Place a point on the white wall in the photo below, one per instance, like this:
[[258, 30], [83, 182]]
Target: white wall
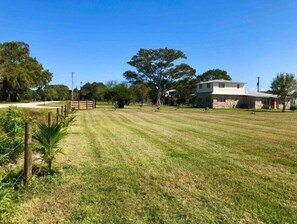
[[230, 88], [204, 88]]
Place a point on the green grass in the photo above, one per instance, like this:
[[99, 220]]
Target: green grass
[[173, 166], [55, 104]]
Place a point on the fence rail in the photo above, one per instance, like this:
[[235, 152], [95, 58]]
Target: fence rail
[[82, 105]]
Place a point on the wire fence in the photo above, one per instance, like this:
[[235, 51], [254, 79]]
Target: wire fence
[[12, 150], [17, 179], [6, 134]]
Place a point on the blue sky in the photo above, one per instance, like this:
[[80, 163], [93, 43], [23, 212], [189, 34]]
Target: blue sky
[[95, 39]]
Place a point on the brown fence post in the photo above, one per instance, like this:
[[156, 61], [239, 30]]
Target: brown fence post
[[86, 105], [28, 154], [78, 105], [65, 111], [50, 119], [57, 115], [62, 110]]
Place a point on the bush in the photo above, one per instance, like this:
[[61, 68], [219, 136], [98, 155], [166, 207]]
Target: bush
[[12, 139], [293, 107]]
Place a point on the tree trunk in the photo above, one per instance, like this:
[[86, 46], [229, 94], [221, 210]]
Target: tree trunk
[[121, 103], [159, 96], [284, 106]]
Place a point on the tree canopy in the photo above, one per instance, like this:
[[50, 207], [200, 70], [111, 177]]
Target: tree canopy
[[93, 91], [122, 94], [158, 68], [284, 85], [213, 74], [19, 71]]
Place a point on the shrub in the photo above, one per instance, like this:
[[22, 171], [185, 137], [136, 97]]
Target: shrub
[[293, 107], [12, 140]]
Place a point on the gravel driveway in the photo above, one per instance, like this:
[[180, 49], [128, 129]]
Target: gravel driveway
[[29, 105]]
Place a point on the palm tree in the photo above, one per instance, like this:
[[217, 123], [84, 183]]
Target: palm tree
[[49, 138]]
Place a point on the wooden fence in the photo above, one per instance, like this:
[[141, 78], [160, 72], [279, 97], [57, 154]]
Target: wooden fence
[[82, 105]]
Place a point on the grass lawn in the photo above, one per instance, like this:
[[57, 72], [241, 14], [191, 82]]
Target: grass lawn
[[173, 166]]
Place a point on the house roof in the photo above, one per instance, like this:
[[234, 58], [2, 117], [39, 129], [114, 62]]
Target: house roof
[[259, 94], [222, 81], [252, 94]]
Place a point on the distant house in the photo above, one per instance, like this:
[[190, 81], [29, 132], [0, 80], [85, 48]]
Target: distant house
[[230, 94]]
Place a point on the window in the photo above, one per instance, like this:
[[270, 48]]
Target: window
[[265, 101], [200, 86], [221, 99], [237, 86], [221, 85], [208, 85]]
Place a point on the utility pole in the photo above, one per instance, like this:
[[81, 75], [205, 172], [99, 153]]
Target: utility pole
[[258, 84], [72, 85]]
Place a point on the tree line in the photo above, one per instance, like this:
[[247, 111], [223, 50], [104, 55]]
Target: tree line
[[157, 78]]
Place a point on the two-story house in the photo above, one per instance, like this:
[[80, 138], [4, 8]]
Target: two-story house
[[230, 94]]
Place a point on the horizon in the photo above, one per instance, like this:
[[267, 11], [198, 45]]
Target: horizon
[[95, 39]]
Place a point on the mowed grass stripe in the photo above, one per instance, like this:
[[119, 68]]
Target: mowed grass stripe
[[184, 166], [151, 136]]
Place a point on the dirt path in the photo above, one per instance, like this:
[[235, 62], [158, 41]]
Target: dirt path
[[29, 105]]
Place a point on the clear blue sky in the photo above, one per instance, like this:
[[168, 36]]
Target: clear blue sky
[[95, 39]]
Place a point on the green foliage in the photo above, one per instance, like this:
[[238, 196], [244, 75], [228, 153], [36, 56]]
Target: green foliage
[[93, 91], [19, 70], [157, 67], [212, 75], [284, 85], [293, 107], [11, 143], [67, 121], [5, 202], [121, 94], [48, 138], [141, 91]]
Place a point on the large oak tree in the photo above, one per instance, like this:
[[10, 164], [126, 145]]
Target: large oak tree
[[19, 71], [158, 68]]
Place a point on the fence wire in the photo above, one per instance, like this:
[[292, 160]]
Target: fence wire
[[16, 181], [6, 154]]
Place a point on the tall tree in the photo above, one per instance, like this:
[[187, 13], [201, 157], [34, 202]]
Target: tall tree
[[121, 94], [213, 74], [284, 85], [94, 91], [19, 71], [158, 68]]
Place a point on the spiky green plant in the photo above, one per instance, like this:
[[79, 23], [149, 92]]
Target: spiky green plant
[[68, 120], [48, 138]]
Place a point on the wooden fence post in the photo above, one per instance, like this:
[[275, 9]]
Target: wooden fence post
[[50, 119], [62, 110], [78, 105], [86, 105], [65, 111], [28, 154], [57, 115]]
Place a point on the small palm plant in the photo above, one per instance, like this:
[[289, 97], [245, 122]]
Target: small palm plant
[[49, 137]]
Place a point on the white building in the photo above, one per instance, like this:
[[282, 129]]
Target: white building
[[230, 94]]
